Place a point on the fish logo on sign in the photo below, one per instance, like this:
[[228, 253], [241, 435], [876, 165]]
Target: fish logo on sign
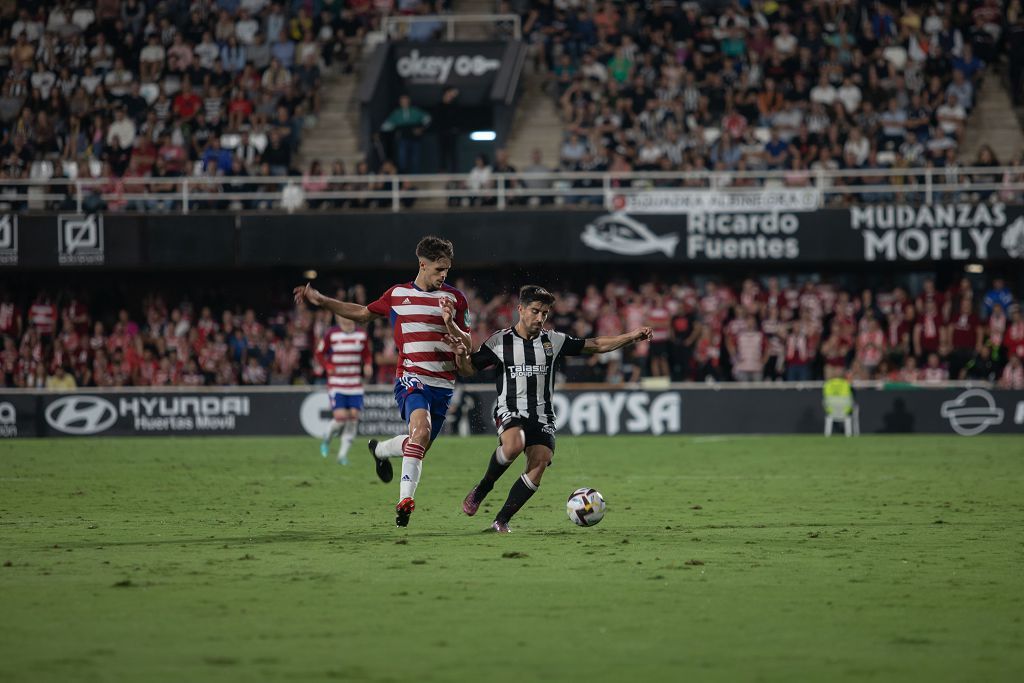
[[1013, 238], [620, 234], [80, 240]]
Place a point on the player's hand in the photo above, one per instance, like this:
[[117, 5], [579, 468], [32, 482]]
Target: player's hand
[[307, 294], [457, 344], [643, 334], [447, 310]]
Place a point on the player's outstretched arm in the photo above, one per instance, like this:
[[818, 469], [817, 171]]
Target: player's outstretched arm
[[356, 312], [606, 344]]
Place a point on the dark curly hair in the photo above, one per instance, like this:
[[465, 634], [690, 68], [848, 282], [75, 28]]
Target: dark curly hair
[[535, 293], [434, 248]]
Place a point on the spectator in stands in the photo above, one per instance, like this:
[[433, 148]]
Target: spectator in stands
[[480, 183], [999, 296], [408, 123]]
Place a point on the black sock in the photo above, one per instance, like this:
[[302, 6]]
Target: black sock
[[494, 471], [517, 497]]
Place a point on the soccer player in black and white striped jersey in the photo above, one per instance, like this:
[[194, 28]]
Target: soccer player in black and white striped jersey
[[526, 355]]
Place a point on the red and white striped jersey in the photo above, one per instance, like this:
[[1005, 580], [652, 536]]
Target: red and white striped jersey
[[9, 317], [419, 330], [343, 355], [44, 317]]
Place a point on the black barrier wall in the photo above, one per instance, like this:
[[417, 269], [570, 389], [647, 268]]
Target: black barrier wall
[[625, 411], [861, 235]]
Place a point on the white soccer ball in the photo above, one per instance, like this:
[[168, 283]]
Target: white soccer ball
[[585, 507]]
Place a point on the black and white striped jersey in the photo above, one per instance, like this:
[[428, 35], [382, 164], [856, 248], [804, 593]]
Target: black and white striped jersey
[[526, 371]]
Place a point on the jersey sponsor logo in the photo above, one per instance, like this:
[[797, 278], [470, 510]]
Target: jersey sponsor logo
[[526, 370], [972, 412]]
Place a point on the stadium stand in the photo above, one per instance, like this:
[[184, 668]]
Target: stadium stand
[[162, 90], [765, 85], [224, 91], [752, 329]]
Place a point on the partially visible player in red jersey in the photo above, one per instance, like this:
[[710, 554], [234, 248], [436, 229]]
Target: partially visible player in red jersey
[[425, 376], [345, 354]]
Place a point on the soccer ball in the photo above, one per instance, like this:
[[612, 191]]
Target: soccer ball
[[585, 507]]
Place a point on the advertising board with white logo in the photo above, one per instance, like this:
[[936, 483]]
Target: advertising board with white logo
[[8, 239], [879, 235], [423, 70], [80, 240], [723, 410]]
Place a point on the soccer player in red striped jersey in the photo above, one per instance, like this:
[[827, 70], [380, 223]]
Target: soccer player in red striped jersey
[[344, 352], [425, 376]]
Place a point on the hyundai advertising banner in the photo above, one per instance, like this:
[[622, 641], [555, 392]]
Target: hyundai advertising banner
[[768, 410]]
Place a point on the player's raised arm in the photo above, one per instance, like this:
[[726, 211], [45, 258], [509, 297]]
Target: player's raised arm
[[454, 331], [606, 344], [356, 312]]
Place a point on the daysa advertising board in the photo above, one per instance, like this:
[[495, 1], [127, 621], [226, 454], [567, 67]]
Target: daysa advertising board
[[609, 412]]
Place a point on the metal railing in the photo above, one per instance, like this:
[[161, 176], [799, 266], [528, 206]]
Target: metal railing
[[610, 190], [392, 24]]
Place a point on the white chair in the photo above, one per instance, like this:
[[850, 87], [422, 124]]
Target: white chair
[[842, 409]]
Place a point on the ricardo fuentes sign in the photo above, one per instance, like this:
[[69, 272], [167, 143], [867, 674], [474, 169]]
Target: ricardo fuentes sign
[[944, 232]]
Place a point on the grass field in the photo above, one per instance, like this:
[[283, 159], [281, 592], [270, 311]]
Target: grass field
[[746, 559]]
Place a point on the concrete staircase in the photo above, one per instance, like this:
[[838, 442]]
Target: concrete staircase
[[537, 124], [474, 31], [336, 134], [994, 123]]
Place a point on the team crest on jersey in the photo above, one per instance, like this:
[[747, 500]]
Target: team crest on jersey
[[548, 350]]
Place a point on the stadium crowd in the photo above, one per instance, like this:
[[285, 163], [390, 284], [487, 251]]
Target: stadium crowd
[[121, 89], [748, 331], [138, 89], [794, 87]]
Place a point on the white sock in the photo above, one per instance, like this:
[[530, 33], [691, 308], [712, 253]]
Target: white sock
[[392, 448], [411, 468], [347, 435], [334, 429]]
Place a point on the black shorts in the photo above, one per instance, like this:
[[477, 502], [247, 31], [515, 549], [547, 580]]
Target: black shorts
[[535, 433], [659, 348]]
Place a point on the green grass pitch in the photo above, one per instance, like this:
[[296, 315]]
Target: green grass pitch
[[720, 559]]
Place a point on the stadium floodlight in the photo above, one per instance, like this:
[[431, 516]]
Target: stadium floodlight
[[975, 268], [483, 136]]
